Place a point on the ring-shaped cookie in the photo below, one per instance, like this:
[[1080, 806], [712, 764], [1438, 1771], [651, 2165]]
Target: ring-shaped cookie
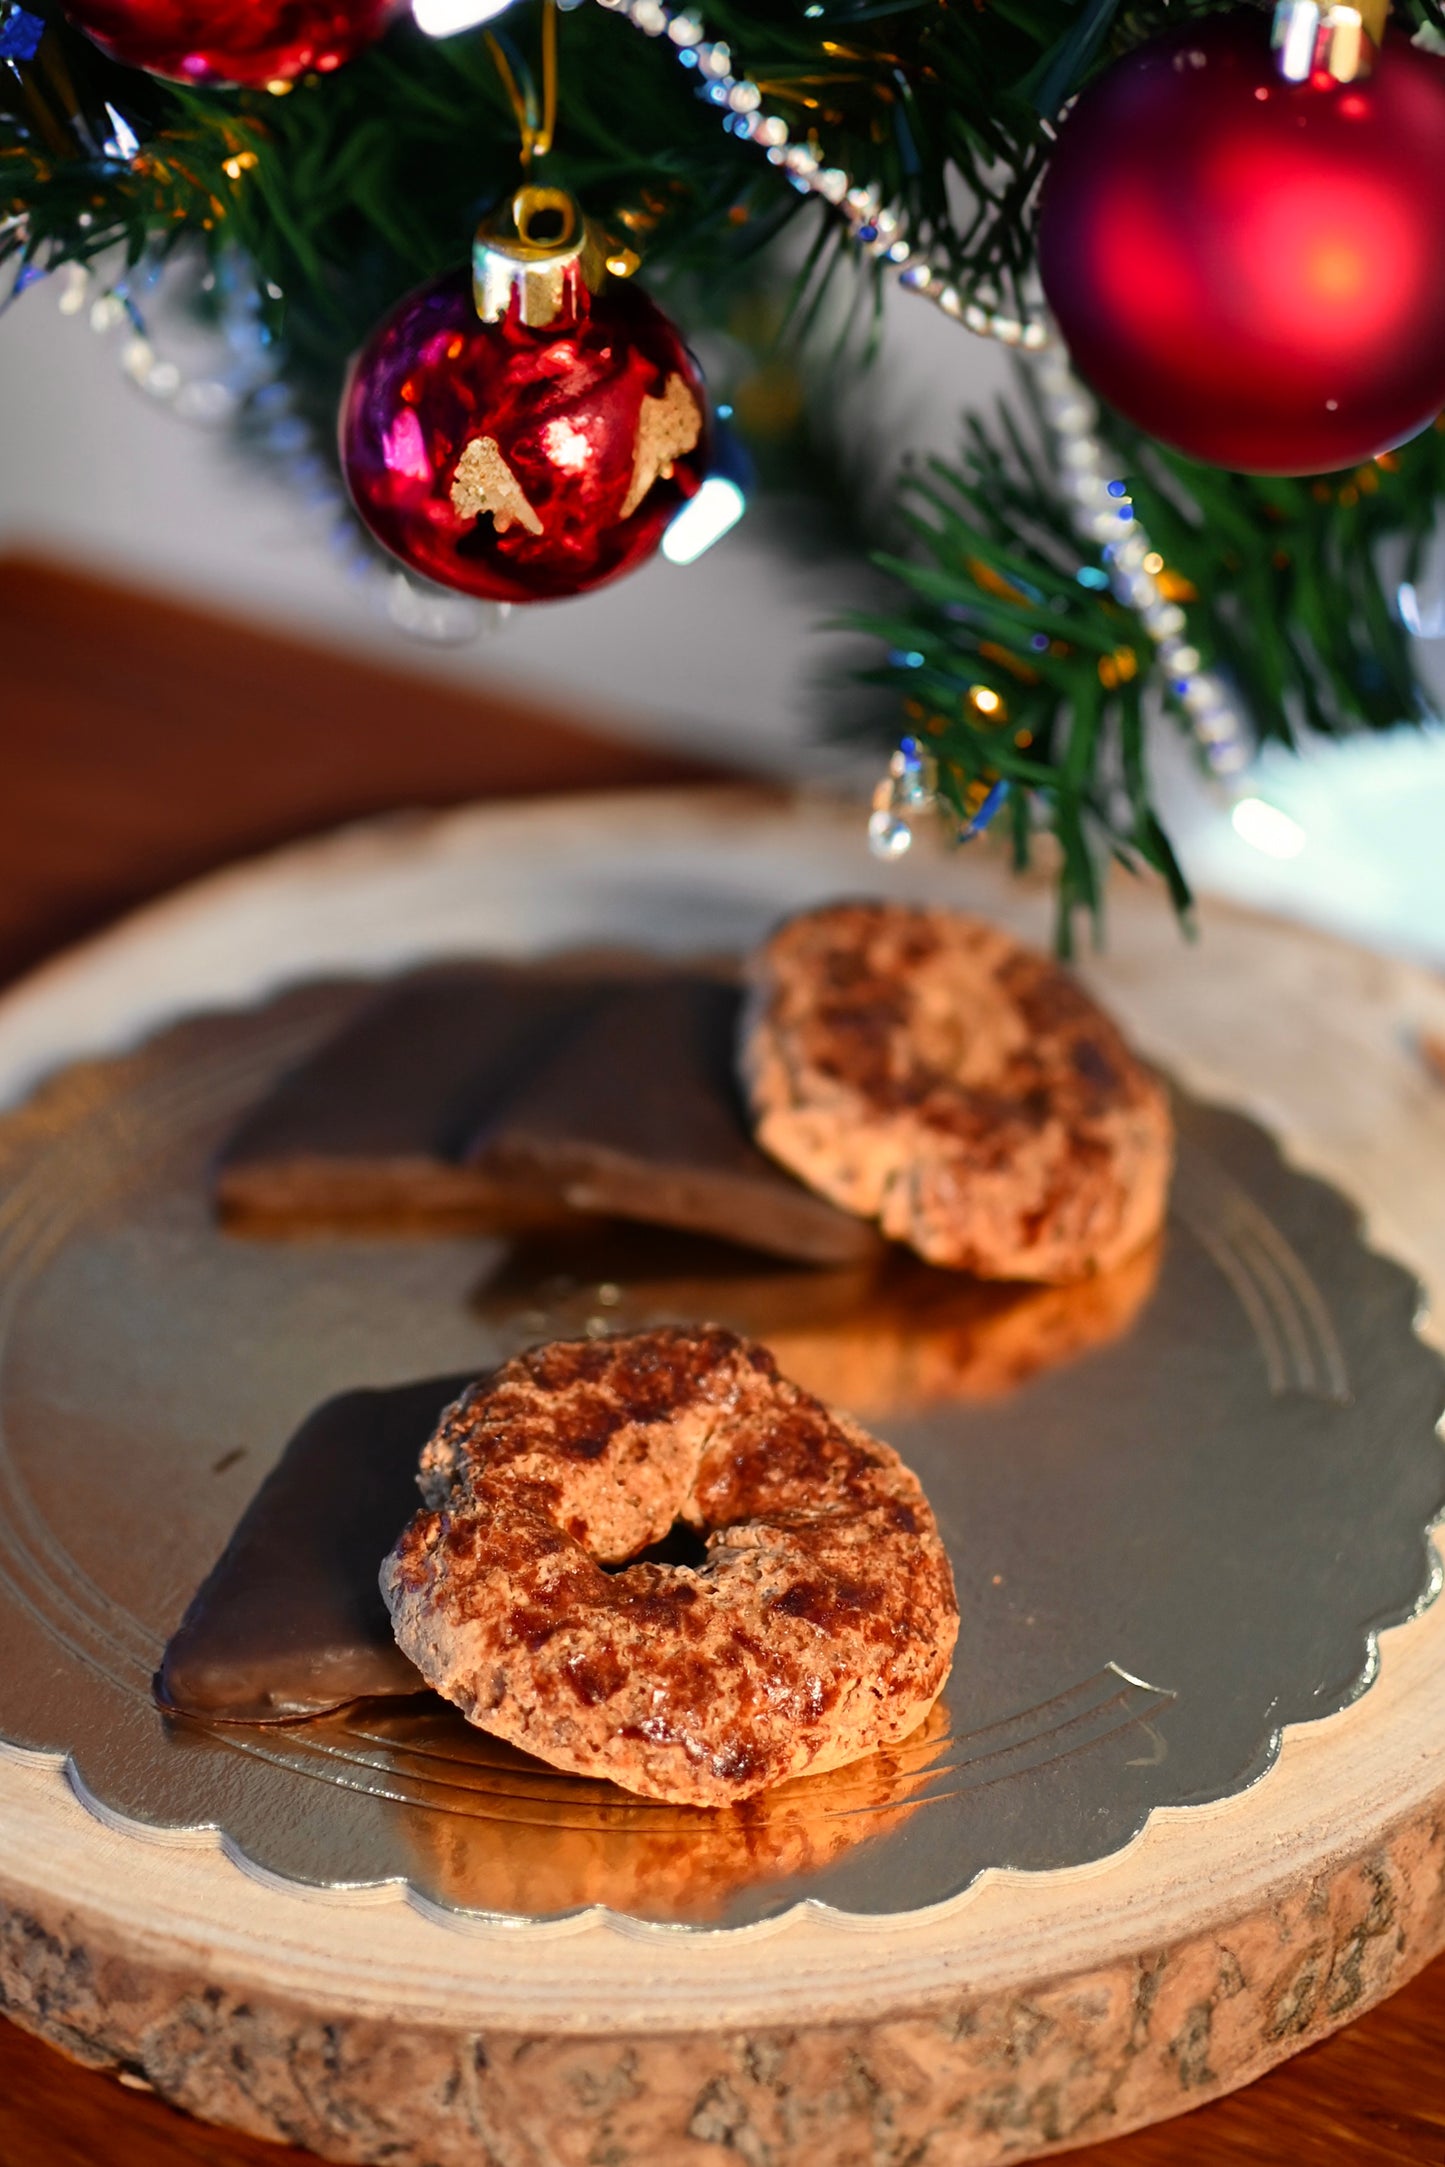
[[819, 1628], [923, 1069]]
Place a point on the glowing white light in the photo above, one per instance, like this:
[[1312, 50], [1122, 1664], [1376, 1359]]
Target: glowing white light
[[703, 520], [1426, 621], [1266, 828], [444, 18], [1296, 30], [123, 142]]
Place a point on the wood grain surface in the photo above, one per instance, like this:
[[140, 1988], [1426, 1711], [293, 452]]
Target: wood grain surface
[[1373, 2096], [144, 744]]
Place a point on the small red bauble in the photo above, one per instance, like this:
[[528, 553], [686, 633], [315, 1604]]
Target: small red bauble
[[232, 41], [1249, 269], [519, 460]]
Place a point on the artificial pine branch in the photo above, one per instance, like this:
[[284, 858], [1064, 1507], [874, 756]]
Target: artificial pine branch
[[1012, 660]]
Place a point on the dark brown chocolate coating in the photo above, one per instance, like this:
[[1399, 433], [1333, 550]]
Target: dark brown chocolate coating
[[637, 1115], [374, 1126], [500, 1097], [290, 1622]]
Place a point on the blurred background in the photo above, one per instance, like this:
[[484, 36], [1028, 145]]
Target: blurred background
[[116, 459]]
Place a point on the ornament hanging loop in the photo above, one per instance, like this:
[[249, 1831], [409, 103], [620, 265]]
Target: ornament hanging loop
[[1334, 40], [539, 252], [536, 116]]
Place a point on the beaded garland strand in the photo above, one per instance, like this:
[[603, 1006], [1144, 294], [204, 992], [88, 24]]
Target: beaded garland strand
[[1098, 499]]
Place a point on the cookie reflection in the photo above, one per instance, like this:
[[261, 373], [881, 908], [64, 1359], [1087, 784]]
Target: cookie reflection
[[490, 1829], [895, 1337]]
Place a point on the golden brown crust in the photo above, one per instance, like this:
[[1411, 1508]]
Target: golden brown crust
[[820, 1627], [925, 1070]]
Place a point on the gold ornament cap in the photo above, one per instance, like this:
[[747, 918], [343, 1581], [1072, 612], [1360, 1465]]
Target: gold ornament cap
[[540, 251], [1341, 41]]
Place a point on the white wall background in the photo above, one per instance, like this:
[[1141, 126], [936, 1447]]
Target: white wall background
[[719, 655]]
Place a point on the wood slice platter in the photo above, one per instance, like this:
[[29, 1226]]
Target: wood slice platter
[[1032, 2011]]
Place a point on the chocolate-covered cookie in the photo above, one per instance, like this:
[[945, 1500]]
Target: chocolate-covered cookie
[[637, 1114], [290, 1622], [500, 1097]]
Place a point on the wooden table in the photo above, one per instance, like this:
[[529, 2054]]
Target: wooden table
[[146, 744]]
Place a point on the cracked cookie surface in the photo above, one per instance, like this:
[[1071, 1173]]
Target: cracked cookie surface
[[925, 1070], [819, 1627]]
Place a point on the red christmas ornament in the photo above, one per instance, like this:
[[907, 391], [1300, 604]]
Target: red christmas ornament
[[530, 431], [1250, 269], [232, 41]]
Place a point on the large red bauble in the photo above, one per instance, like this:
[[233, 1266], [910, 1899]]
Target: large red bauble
[[232, 41], [552, 426], [1249, 269]]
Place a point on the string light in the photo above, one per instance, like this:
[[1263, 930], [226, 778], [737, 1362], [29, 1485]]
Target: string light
[[703, 520], [20, 35], [1263, 825], [1426, 621], [444, 18], [122, 143]]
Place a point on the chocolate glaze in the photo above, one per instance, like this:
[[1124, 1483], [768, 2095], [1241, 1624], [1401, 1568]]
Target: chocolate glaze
[[373, 1127], [637, 1115], [290, 1621], [502, 1097]]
